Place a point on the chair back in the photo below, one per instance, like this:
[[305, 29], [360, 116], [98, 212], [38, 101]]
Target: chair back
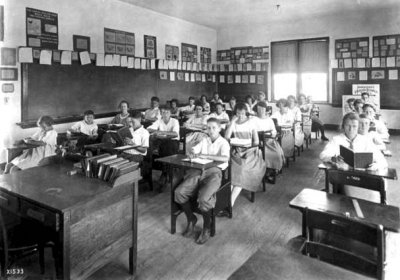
[[348, 228], [339, 178]]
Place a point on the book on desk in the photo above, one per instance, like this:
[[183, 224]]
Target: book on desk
[[356, 159], [119, 135]]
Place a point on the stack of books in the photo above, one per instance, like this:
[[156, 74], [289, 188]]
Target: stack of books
[[110, 168]]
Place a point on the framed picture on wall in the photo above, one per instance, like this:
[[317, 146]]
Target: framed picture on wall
[[150, 46], [81, 43], [8, 74]]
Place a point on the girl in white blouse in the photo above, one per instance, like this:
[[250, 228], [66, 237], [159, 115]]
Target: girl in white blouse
[[285, 120], [46, 141]]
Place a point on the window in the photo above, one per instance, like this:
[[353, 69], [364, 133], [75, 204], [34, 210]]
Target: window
[[300, 66]]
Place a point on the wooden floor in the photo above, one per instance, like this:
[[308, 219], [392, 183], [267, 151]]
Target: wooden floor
[[268, 220]]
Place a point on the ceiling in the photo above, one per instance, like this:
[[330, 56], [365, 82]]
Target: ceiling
[[221, 13]]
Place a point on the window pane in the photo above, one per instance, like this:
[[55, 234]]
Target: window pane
[[315, 84], [284, 85]]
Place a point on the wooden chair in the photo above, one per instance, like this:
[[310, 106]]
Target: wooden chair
[[307, 127], [223, 203], [263, 136], [339, 178], [279, 130], [351, 230]]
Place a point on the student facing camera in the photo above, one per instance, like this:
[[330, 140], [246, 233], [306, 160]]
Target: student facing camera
[[122, 117], [153, 114]]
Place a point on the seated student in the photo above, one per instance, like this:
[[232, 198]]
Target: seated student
[[378, 125], [174, 108], [285, 120], [358, 105], [219, 114], [230, 106], [274, 156], [153, 114], [88, 128], [249, 105], [122, 117], [359, 143], [203, 183], [349, 107], [140, 138], [189, 109], [197, 122], [166, 147], [261, 97], [205, 104], [46, 138], [367, 99], [248, 166], [306, 111], [216, 99], [364, 129]]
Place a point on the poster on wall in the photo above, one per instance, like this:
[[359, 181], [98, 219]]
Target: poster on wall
[[41, 29], [372, 89], [150, 46]]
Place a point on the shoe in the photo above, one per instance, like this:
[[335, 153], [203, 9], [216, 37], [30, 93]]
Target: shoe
[[189, 231], [223, 213], [204, 236], [323, 138]]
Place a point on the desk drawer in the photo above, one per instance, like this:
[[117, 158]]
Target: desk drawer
[[42, 215], [8, 202]]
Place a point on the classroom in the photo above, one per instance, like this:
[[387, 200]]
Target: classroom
[[183, 139]]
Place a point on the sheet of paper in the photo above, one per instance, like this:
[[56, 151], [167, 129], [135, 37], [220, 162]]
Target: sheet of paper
[[222, 79], [45, 57], [189, 66], [85, 58], [131, 62], [100, 59], [347, 63], [340, 76], [363, 75], [252, 79], [108, 60], [334, 63], [357, 208], [170, 64], [137, 63], [143, 64], [195, 66], [203, 78], [376, 62], [192, 77], [214, 78], [258, 66], [127, 147], [391, 61], [198, 160], [187, 77], [175, 64], [160, 64], [393, 74], [124, 61], [223, 166], [172, 76], [153, 64], [116, 60], [184, 65], [179, 65], [238, 79], [361, 62], [230, 68], [240, 67], [25, 55]]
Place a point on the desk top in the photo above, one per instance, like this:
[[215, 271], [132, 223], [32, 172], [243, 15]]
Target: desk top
[[23, 146], [176, 160], [389, 173], [52, 187], [386, 215], [275, 262]]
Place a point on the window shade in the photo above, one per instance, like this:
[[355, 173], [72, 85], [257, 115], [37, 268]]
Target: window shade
[[313, 56], [284, 57]]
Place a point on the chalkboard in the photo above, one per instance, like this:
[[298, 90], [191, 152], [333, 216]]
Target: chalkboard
[[389, 89], [66, 91]]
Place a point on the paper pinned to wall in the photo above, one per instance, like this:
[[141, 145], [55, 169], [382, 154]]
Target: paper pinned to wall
[[100, 59], [25, 55], [108, 60], [192, 77], [184, 65], [116, 60], [45, 57], [124, 61], [194, 66], [137, 63], [179, 65], [252, 79], [153, 64], [347, 63], [175, 64], [131, 62], [85, 57], [340, 76], [390, 61], [203, 78], [230, 68], [334, 63], [222, 79], [214, 78], [172, 76], [363, 75], [393, 74], [143, 64], [376, 62], [189, 66], [258, 66], [360, 62], [187, 78]]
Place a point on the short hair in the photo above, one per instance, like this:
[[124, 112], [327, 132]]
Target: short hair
[[88, 112], [215, 93], [249, 96], [203, 96], [198, 104], [291, 97], [262, 104], [349, 117], [47, 120], [136, 115], [240, 106], [282, 101], [174, 101], [368, 106], [362, 116], [302, 95], [364, 93], [233, 98], [166, 108], [358, 101], [155, 98], [122, 102], [261, 92], [219, 103], [214, 120], [192, 98], [350, 100]]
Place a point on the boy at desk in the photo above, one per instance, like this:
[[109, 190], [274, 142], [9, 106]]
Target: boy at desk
[[153, 114], [205, 184], [188, 109], [46, 141], [140, 138], [87, 127], [166, 134]]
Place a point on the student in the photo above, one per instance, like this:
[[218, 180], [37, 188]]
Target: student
[[174, 108], [306, 109], [88, 128], [364, 129], [197, 123], [367, 100], [350, 106], [351, 139], [230, 106], [274, 156], [122, 117], [285, 120], [153, 114], [205, 104], [249, 105], [216, 99], [140, 138], [166, 147], [247, 164], [45, 137], [359, 143], [206, 108], [203, 183], [358, 105], [261, 97], [220, 115], [189, 109], [378, 125]]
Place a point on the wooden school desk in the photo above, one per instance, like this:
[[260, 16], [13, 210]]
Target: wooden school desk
[[16, 150], [175, 161], [93, 223], [374, 213]]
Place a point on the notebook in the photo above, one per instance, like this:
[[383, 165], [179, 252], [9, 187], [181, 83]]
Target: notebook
[[120, 135], [354, 159]]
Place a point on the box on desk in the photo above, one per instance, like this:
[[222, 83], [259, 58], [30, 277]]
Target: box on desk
[[355, 159]]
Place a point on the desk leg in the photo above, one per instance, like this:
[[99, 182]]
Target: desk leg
[[63, 244], [303, 224], [173, 217], [326, 181], [133, 249]]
